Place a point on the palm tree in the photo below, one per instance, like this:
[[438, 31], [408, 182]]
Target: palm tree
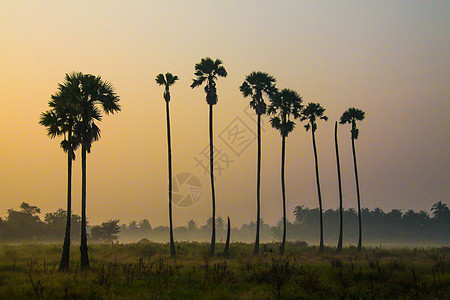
[[351, 116], [285, 107], [167, 81], [60, 120], [254, 86], [341, 220], [94, 95], [313, 112], [209, 70]]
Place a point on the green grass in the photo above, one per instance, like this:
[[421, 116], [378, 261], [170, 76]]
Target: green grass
[[146, 271]]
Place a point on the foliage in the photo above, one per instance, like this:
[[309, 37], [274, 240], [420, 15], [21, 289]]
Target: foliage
[[394, 227], [107, 231], [285, 107], [209, 70]]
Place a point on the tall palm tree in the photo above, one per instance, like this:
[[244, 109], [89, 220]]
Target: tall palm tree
[[341, 219], [209, 70], [350, 116], [285, 107], [255, 84], [60, 120], [313, 112], [94, 96], [168, 80]]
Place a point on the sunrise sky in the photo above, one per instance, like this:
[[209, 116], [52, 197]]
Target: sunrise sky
[[388, 58]]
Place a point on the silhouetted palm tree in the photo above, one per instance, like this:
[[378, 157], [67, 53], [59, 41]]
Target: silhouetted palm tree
[[254, 86], [209, 70], [60, 120], [351, 116], [94, 95], [167, 81], [313, 112], [341, 219], [285, 107]]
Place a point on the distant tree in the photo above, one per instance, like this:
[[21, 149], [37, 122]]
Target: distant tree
[[55, 224], [313, 112], [285, 107], [25, 224], [441, 219], [94, 96], [351, 116], [191, 225], [440, 211], [209, 70], [255, 84], [3, 230], [168, 80], [145, 227], [106, 232]]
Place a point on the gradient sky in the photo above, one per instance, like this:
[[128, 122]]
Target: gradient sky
[[388, 58]]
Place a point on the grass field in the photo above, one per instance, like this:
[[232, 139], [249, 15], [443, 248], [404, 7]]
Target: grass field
[[145, 271]]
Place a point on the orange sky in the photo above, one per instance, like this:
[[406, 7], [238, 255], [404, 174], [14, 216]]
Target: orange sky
[[390, 59]]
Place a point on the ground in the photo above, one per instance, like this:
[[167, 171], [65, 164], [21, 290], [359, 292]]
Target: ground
[[146, 271]]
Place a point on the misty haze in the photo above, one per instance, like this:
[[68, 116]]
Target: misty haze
[[224, 149]]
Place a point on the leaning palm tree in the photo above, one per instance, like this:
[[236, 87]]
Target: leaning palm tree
[[351, 116], [285, 107], [168, 80], [341, 220], [313, 112], [94, 95], [254, 86], [209, 70], [60, 120]]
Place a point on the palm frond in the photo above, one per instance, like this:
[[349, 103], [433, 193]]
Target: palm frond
[[170, 79], [160, 79], [245, 89], [197, 81]]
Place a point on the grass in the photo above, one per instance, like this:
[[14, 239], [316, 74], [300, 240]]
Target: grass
[[146, 271]]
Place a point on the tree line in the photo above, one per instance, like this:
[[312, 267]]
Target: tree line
[[411, 227]]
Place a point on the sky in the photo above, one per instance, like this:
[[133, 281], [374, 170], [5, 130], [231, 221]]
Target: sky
[[389, 58]]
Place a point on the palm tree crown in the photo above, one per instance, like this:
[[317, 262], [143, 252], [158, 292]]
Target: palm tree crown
[[209, 70], [255, 84], [350, 116], [312, 112], [166, 80], [63, 117], [285, 107], [94, 95]]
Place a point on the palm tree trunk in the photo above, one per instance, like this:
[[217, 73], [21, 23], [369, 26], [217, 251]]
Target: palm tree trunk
[[283, 191], [318, 189], [64, 264], [83, 246], [341, 224], [258, 190], [169, 154], [226, 251], [357, 194], [211, 168]]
